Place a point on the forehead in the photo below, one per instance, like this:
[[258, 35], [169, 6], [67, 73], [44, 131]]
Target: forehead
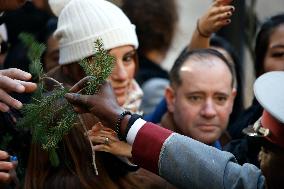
[[205, 73], [277, 37], [121, 50]]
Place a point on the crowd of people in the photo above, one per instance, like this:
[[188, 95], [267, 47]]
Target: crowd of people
[[146, 127]]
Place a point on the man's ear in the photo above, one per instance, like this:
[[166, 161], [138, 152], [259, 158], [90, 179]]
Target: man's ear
[[233, 96], [170, 98], [234, 93]]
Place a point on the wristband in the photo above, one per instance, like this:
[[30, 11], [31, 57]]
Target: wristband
[[199, 31], [131, 121], [118, 124]]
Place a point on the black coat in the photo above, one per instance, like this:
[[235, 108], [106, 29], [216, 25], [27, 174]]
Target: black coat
[[245, 148]]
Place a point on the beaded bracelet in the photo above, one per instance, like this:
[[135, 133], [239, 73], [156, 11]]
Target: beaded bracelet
[[199, 31], [118, 124]]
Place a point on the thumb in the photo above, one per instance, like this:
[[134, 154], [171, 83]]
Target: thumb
[[76, 99]]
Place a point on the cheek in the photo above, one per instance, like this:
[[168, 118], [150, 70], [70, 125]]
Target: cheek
[[223, 113], [185, 112], [272, 64], [131, 71]]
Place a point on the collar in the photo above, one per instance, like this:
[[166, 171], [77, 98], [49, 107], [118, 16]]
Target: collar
[[217, 145]]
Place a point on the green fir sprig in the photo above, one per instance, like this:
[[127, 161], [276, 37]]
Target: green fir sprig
[[34, 53], [99, 66], [49, 116]]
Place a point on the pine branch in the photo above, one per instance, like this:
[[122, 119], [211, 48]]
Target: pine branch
[[49, 116], [34, 53], [99, 66]]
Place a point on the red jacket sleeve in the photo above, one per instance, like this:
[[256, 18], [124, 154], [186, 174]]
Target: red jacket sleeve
[[148, 144]]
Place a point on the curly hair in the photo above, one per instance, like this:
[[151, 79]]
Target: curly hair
[[155, 22]]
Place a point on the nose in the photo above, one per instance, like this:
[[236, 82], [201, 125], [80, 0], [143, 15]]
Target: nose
[[208, 110], [119, 71]]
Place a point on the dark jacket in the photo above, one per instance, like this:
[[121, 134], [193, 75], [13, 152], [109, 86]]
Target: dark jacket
[[244, 148], [148, 70]]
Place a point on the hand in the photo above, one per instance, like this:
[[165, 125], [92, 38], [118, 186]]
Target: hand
[[106, 140], [103, 104], [216, 17], [5, 167], [13, 80]]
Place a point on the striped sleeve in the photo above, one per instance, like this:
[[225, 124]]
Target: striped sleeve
[[147, 144]]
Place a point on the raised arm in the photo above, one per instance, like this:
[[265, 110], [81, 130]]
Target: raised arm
[[216, 17]]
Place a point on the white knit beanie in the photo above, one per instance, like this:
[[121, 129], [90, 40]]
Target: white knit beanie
[[81, 22], [57, 5]]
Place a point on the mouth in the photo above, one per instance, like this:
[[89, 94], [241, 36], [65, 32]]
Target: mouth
[[119, 90], [207, 127]]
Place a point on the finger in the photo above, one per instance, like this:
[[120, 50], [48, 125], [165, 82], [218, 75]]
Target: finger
[[3, 155], [80, 110], [109, 130], [4, 107], [97, 139], [9, 101], [29, 86], [102, 148], [224, 16], [4, 177], [15, 73], [108, 134], [98, 126], [221, 10], [81, 84], [79, 101], [4, 165], [11, 85]]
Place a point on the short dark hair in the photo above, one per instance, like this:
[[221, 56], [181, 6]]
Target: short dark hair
[[262, 41], [201, 53]]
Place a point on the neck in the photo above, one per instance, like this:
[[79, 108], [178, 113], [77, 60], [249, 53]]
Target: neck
[[168, 122]]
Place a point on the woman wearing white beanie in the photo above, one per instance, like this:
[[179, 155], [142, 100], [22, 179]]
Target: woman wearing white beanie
[[80, 24]]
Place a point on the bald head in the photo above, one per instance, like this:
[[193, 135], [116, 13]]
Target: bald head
[[200, 59]]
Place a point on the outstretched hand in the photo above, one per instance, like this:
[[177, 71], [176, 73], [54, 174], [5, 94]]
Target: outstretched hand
[[103, 104], [5, 166], [216, 17], [106, 140], [13, 80]]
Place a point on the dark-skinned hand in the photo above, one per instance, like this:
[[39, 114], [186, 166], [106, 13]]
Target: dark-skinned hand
[[103, 104]]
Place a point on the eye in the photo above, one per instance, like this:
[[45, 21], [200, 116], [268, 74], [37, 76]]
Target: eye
[[277, 54], [195, 98], [129, 58], [221, 99]]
